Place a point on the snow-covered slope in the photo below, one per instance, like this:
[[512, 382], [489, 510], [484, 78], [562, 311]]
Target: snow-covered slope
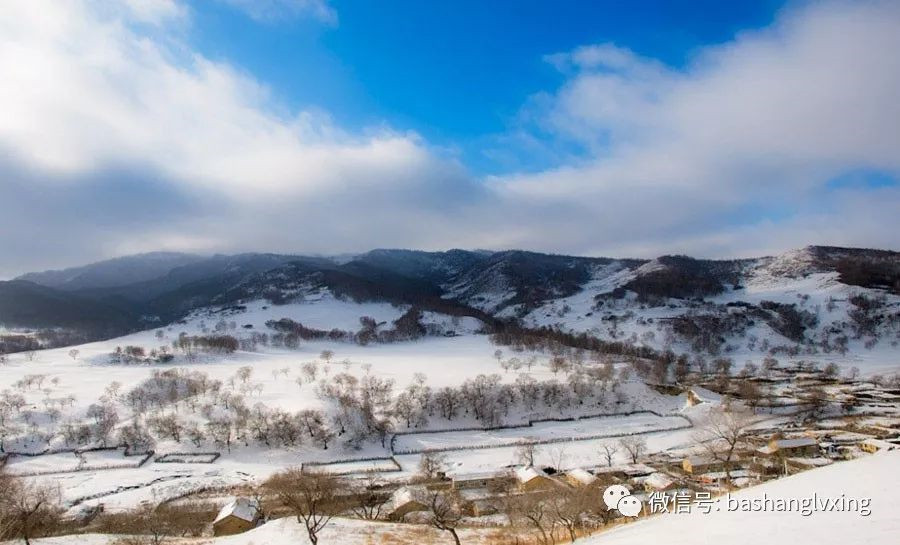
[[287, 531], [873, 478], [798, 304]]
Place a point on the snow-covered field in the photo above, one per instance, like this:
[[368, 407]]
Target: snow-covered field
[[70, 461], [71, 385], [382, 465], [586, 428], [65, 386]]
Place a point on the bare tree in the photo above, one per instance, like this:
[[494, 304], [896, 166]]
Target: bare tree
[[751, 393], [26, 511], [525, 454], [7, 520], [431, 464], [311, 497], [723, 433], [244, 373], [534, 510], [558, 457], [570, 507], [310, 371], [327, 355], [498, 355], [608, 451], [445, 513], [447, 400], [557, 364], [370, 501], [73, 353], [635, 447], [816, 400]]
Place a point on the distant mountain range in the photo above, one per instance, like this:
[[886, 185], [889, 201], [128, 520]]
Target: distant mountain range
[[136, 292]]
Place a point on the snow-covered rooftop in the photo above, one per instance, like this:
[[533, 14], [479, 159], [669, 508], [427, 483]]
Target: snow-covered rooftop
[[525, 474], [659, 481], [242, 508], [795, 443], [407, 494], [581, 476]]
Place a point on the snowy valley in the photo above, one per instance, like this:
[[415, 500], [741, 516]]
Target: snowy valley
[[394, 368]]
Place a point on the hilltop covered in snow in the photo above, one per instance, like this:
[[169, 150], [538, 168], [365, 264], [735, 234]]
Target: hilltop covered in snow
[[871, 483]]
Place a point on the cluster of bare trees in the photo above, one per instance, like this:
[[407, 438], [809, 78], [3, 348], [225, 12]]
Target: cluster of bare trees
[[219, 412], [27, 511], [364, 407], [131, 354], [11, 343], [552, 514], [367, 407], [188, 345], [315, 498], [557, 341], [191, 345], [409, 326]]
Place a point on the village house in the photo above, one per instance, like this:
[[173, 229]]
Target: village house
[[580, 478], [623, 472], [482, 480], [530, 479], [611, 473], [407, 499], [799, 446], [237, 516], [659, 482], [736, 477], [875, 445], [478, 502], [849, 438], [795, 464], [766, 467], [695, 465]]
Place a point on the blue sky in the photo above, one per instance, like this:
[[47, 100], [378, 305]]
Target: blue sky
[[455, 72], [639, 128]]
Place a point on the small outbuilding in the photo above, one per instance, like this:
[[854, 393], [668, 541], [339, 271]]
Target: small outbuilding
[[701, 464], [407, 499], [531, 479], [659, 482], [874, 445], [800, 446], [580, 478], [237, 516]]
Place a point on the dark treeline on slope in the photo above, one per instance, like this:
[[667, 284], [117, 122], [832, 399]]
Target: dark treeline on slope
[[550, 339], [407, 327]]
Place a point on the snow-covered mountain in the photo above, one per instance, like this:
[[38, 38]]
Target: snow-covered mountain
[[805, 301]]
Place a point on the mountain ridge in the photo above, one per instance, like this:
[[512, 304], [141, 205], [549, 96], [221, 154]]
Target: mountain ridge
[[504, 285]]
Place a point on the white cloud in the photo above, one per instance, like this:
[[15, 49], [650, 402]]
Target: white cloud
[[156, 11], [89, 91], [274, 10], [117, 136], [764, 120]]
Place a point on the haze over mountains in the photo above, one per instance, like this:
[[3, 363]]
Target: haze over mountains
[[112, 297]]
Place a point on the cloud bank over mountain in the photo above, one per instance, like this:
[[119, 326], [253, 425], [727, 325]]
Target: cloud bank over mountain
[[120, 137]]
